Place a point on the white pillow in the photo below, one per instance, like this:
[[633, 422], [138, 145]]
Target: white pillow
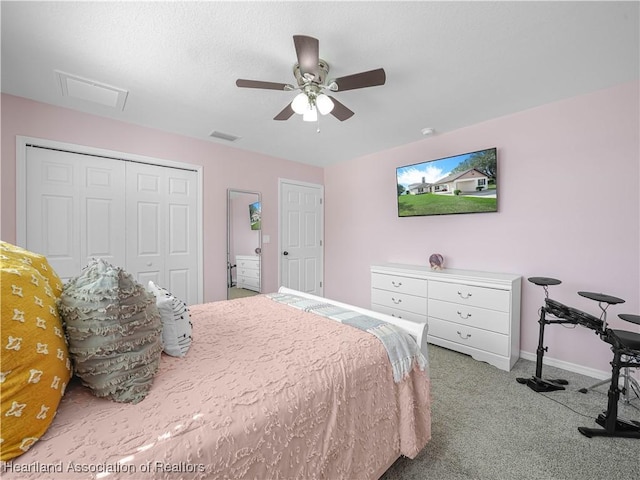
[[176, 321]]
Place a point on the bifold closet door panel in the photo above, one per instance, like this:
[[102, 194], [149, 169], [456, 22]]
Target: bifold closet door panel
[[162, 227], [75, 205], [137, 216]]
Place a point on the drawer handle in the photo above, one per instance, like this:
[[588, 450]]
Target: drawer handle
[[462, 296], [399, 284], [460, 315], [396, 301], [468, 335], [396, 316]]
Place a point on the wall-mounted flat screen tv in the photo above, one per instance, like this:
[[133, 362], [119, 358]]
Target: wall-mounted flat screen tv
[[255, 215], [466, 183]]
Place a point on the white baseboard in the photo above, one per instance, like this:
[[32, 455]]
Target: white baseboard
[[571, 367]]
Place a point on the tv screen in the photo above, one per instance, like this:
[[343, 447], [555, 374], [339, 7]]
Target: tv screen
[[255, 215], [465, 183]]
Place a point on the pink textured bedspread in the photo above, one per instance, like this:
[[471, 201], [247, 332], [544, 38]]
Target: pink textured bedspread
[[266, 391]]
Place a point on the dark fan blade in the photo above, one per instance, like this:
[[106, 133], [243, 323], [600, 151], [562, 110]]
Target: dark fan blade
[[340, 111], [361, 80], [285, 114], [267, 85], [307, 49]]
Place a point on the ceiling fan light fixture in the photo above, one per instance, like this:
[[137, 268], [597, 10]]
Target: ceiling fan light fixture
[[324, 104], [310, 115], [312, 78], [300, 103]]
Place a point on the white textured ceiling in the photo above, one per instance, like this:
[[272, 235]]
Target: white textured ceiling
[[448, 64]]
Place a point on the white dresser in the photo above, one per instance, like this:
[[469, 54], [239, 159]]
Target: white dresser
[[477, 313], [248, 272]]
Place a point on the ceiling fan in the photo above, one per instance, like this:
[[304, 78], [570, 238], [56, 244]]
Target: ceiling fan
[[311, 74]]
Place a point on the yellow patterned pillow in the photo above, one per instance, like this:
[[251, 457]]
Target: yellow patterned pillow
[[34, 360]]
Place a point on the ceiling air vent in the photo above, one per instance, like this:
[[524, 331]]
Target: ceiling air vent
[[72, 86], [224, 136]]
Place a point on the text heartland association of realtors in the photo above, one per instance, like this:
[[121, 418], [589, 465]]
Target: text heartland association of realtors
[[118, 467]]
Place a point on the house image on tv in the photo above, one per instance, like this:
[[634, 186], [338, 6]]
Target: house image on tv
[[469, 181], [418, 188]]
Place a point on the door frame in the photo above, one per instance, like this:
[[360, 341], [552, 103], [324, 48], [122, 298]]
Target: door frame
[[302, 184], [22, 142]]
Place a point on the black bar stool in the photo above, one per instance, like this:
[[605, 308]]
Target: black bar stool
[[626, 354]]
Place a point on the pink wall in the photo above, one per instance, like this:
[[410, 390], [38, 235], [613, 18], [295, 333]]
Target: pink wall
[[569, 208], [569, 181], [224, 167]]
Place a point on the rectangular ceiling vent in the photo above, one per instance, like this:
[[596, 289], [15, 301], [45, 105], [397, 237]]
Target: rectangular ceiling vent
[[224, 136], [87, 90]]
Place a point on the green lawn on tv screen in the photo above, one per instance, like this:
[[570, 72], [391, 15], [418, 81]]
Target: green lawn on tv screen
[[435, 204]]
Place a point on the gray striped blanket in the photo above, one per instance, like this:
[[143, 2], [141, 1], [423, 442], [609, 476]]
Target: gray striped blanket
[[402, 349]]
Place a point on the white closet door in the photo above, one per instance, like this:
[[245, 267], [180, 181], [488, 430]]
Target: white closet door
[[138, 216], [161, 228], [74, 205]]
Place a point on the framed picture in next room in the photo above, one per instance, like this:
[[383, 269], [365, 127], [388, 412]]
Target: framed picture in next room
[[255, 215]]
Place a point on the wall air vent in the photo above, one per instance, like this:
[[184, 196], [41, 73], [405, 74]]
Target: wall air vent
[[224, 136], [72, 86]]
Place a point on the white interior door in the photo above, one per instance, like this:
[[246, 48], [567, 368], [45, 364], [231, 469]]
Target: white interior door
[[74, 205], [161, 228], [301, 233]]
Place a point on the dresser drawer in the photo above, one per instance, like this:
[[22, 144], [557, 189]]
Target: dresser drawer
[[493, 320], [247, 263], [394, 283], [248, 273], [399, 301], [482, 297], [395, 312], [469, 336], [249, 283]]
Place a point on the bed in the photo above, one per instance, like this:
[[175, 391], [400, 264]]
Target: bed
[[267, 390]]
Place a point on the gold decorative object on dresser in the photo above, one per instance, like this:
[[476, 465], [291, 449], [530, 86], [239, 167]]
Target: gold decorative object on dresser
[[476, 313]]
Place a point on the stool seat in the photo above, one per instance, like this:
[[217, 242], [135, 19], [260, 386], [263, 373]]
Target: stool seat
[[629, 340], [601, 297], [544, 281], [630, 318]]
